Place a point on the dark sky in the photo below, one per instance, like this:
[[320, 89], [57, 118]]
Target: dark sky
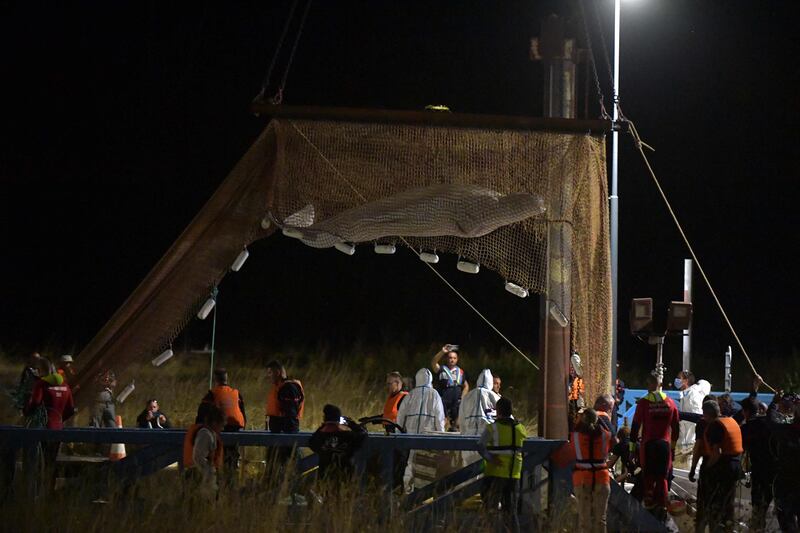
[[121, 118]]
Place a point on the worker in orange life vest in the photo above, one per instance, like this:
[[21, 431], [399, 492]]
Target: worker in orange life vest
[[230, 402], [203, 453], [394, 386], [591, 443], [723, 444], [285, 401]]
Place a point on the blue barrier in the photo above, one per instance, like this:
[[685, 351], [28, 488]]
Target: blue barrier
[[628, 406]]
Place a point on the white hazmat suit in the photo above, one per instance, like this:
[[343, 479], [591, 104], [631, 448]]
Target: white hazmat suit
[[692, 402], [420, 412], [478, 406]]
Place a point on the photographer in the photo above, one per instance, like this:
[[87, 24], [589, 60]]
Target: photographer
[[152, 417]]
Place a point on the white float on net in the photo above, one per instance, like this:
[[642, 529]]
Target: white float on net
[[206, 309], [468, 267], [429, 257], [345, 247], [385, 249], [516, 290], [239, 261], [161, 359]]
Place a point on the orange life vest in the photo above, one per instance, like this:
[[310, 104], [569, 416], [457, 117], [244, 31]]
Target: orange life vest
[[731, 441], [390, 407], [188, 447], [591, 458], [274, 407], [576, 389], [227, 399]]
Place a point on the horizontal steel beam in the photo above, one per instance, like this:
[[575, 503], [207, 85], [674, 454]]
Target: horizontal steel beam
[[433, 118], [249, 438]]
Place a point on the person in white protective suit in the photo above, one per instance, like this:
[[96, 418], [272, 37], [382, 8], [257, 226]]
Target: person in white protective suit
[[691, 401], [477, 411], [477, 407], [421, 412]]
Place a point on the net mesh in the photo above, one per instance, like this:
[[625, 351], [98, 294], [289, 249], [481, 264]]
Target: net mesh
[[529, 205]]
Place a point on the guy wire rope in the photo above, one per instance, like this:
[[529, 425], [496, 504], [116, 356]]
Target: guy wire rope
[[436, 272], [268, 75]]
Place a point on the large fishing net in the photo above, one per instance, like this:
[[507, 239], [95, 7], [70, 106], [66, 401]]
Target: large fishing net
[[531, 206]]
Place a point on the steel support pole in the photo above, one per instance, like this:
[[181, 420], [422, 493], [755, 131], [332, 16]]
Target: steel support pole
[[687, 297], [614, 204]]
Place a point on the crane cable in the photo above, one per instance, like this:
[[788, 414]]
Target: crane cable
[[436, 272]]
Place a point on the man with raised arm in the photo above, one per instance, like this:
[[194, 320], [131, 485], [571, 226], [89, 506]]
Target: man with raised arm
[[450, 382]]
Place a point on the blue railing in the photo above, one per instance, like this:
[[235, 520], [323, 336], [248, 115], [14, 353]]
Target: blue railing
[[628, 406]]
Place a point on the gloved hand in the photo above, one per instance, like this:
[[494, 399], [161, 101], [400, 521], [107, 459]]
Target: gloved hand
[[691, 475]]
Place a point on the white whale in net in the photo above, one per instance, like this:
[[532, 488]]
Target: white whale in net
[[434, 211]]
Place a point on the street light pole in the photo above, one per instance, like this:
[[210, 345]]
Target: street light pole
[[614, 203]]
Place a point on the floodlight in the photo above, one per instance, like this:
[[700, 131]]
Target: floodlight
[[468, 267], [206, 309], [345, 248], [516, 290], [239, 261], [679, 316], [166, 354], [385, 249], [641, 316], [429, 257]]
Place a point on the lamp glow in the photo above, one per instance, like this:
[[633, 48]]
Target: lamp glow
[[239, 261], [161, 359], [345, 248], [206, 309]]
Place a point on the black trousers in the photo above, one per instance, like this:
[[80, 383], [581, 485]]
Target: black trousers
[[505, 492], [761, 497], [720, 487]]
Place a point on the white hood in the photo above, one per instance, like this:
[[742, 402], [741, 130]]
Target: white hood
[[485, 379], [422, 409], [424, 378], [478, 406], [704, 386]]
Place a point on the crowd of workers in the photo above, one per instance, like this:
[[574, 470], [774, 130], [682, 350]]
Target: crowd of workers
[[725, 439]]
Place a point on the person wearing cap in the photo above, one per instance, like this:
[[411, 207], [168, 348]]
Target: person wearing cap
[[500, 445], [335, 442], [451, 382], [65, 367]]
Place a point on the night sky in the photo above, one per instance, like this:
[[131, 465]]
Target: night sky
[[121, 119]]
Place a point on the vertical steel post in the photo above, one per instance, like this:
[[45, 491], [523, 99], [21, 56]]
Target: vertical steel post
[[687, 297], [614, 203], [728, 358]]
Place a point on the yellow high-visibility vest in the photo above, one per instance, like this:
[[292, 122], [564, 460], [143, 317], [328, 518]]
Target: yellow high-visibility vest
[[505, 442]]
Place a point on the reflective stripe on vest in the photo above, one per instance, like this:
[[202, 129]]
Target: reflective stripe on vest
[[507, 441], [454, 377], [227, 399], [390, 407]]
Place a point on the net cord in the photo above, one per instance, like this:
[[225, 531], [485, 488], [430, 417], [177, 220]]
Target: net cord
[[432, 269], [640, 145], [268, 75]]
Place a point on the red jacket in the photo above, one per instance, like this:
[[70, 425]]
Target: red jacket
[[657, 415], [56, 398]]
